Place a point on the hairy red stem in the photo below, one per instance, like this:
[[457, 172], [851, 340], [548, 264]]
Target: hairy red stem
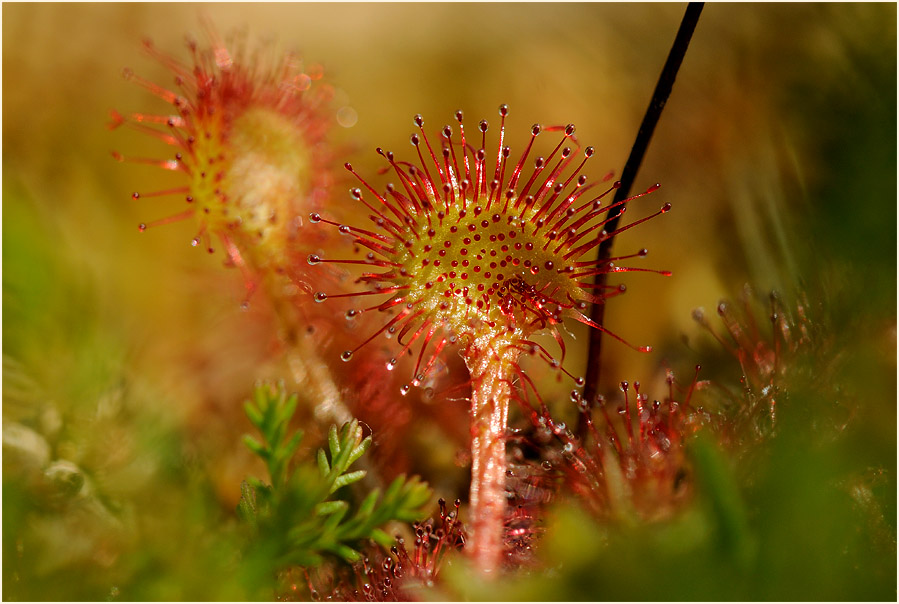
[[491, 363]]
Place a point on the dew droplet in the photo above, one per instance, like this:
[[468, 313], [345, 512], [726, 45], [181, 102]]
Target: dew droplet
[[346, 355], [142, 227], [320, 296], [404, 389], [313, 259]]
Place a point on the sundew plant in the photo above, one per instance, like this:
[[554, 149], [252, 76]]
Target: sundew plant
[[319, 301]]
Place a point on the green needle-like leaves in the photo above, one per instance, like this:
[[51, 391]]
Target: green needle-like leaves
[[301, 516], [270, 411]]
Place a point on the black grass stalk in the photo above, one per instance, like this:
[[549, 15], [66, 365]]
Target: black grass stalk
[[628, 174]]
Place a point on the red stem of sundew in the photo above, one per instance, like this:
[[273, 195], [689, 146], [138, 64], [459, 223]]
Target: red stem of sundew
[[491, 364]]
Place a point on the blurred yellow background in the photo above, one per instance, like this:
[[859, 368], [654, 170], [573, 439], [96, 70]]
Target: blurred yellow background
[[767, 98]]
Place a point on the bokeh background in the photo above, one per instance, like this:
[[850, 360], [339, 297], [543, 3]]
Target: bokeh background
[[126, 356]]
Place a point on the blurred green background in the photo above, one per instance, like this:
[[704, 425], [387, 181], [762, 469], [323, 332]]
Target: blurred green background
[[126, 358]]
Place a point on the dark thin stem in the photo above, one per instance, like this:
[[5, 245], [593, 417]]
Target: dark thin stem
[[644, 134]]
